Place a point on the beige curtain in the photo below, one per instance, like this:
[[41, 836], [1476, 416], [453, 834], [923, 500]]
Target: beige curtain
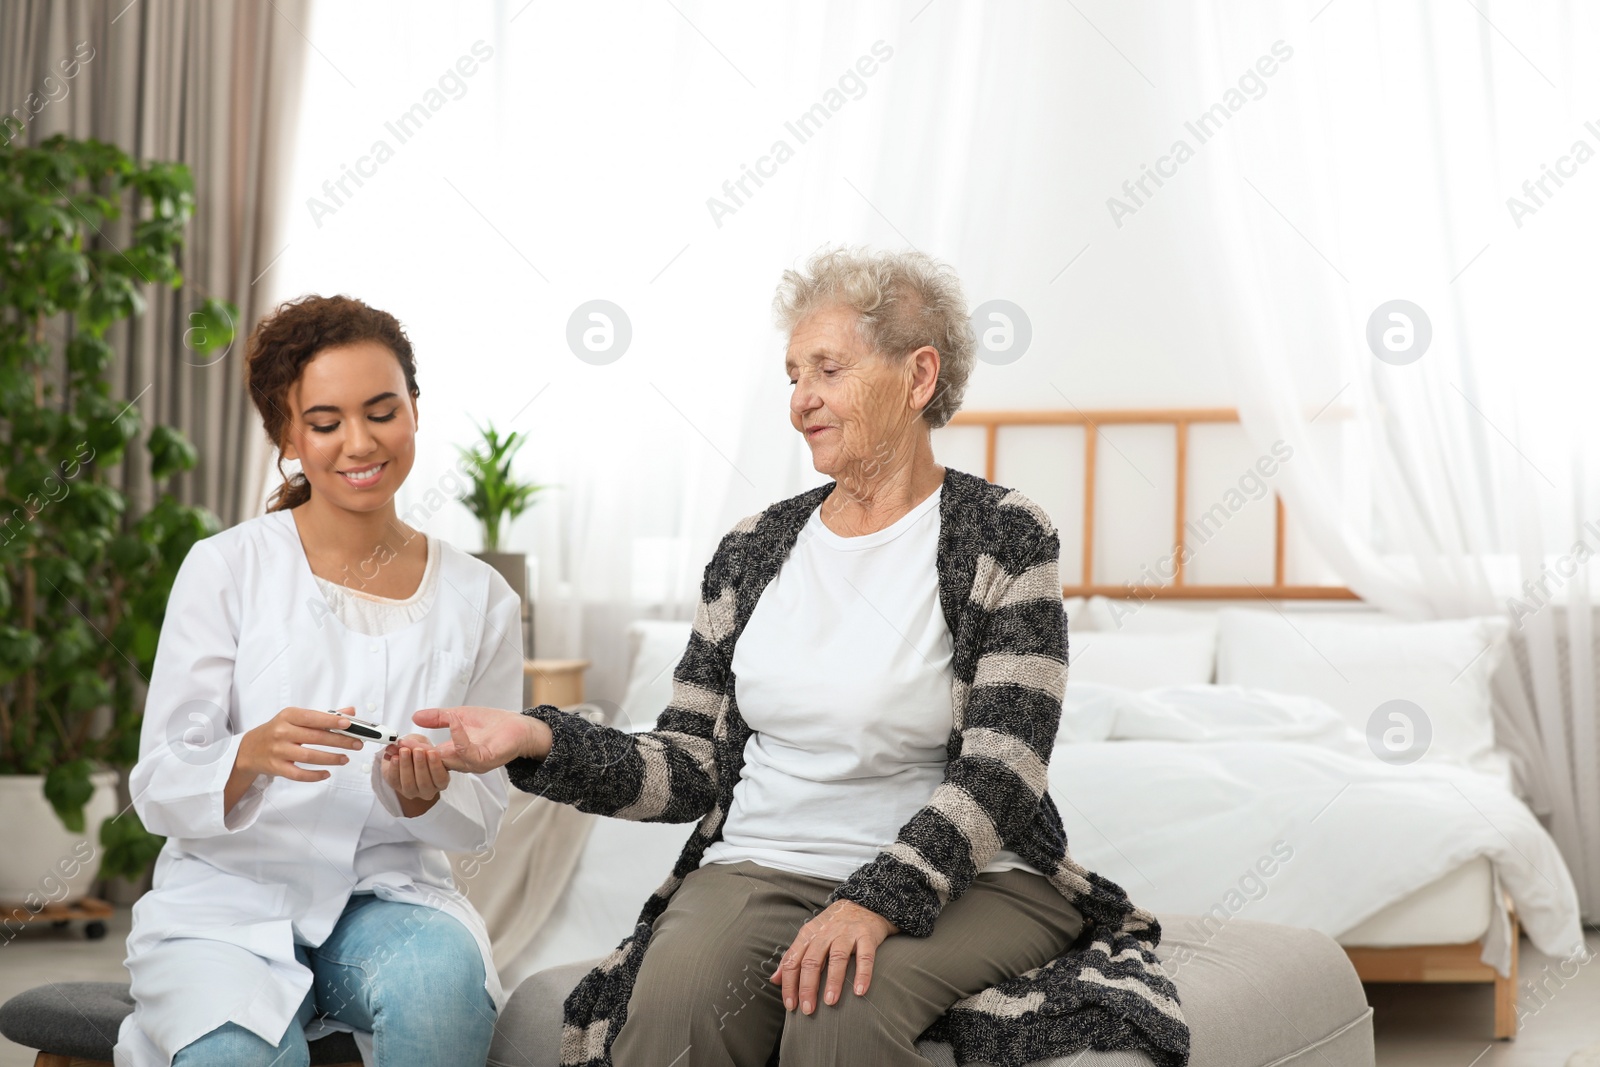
[[214, 84]]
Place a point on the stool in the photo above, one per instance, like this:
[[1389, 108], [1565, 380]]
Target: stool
[[74, 1024]]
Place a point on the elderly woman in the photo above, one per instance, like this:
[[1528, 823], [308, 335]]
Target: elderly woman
[[861, 723]]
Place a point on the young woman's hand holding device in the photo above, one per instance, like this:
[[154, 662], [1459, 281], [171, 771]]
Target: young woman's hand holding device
[[412, 767], [276, 747]]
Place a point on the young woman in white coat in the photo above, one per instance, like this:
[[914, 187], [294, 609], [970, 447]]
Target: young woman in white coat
[[304, 885]]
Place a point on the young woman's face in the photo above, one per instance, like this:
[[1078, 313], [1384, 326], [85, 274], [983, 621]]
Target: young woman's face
[[352, 425]]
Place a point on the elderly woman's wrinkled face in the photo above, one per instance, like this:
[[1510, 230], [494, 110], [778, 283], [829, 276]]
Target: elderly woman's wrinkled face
[[853, 405]]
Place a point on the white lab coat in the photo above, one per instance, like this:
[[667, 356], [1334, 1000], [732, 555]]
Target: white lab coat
[[248, 633]]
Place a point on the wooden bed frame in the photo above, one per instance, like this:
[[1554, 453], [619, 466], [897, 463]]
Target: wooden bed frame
[[1411, 963]]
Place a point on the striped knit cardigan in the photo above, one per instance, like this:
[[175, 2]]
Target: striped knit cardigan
[[1001, 597]]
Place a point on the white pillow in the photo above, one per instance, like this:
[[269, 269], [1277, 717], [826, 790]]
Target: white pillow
[[1438, 672], [1141, 661], [654, 648], [1134, 616], [1077, 615], [1088, 713]]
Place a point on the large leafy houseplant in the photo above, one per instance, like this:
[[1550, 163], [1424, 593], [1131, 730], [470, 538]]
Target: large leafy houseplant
[[83, 582]]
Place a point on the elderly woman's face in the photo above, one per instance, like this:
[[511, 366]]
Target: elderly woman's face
[[851, 403]]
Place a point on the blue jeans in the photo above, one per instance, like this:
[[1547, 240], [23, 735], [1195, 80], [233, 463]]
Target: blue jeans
[[410, 975]]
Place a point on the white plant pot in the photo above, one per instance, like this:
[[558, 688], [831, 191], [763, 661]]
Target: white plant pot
[[41, 861]]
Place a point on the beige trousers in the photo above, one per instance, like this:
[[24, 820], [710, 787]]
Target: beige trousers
[[702, 998]]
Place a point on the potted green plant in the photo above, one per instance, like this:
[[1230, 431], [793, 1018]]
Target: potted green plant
[[83, 582], [495, 498]]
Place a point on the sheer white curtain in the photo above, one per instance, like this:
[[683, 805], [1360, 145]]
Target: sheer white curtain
[[576, 162], [1462, 481]]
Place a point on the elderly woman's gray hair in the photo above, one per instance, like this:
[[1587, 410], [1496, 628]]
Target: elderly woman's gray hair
[[905, 300]]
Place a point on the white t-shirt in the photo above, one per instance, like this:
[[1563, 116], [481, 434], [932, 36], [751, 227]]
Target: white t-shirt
[[843, 674]]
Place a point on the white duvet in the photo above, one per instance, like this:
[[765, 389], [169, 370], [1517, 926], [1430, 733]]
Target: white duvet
[[1213, 801], [1243, 803]]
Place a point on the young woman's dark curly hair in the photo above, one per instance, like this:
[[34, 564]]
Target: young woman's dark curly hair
[[286, 339]]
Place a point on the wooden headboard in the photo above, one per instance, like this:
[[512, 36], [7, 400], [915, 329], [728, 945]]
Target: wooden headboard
[[1180, 419]]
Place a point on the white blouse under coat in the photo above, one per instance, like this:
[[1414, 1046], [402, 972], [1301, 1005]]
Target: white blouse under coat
[[367, 613]]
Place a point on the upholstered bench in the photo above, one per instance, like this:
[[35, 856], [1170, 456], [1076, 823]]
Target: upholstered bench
[[1254, 994], [74, 1024]]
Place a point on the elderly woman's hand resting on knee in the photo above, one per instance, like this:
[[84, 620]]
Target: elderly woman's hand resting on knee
[[842, 928]]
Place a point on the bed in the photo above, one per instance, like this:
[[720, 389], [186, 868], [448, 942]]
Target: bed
[[1449, 920]]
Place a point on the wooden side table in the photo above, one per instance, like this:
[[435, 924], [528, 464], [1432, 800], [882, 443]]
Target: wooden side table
[[556, 681]]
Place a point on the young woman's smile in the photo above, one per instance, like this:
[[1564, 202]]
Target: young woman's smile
[[365, 477]]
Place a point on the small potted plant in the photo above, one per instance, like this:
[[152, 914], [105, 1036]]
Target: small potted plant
[[83, 580], [496, 498]]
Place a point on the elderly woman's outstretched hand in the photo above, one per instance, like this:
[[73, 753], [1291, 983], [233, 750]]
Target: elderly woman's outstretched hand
[[844, 927], [482, 739]]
